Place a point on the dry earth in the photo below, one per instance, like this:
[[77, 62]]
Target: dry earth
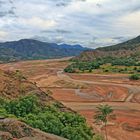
[[83, 92]]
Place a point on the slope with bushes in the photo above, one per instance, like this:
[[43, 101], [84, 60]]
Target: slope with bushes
[[24, 101]]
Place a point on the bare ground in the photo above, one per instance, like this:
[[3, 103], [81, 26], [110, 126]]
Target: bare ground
[[83, 92]]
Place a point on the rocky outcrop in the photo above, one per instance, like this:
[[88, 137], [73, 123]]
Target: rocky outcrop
[[11, 129]]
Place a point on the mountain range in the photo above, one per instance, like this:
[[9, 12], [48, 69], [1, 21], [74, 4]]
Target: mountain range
[[30, 49], [130, 48]]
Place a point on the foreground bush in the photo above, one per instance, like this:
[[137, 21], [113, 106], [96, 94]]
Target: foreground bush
[[49, 118]]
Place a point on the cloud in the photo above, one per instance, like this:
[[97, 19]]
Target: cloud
[[59, 31], [3, 34], [38, 22], [91, 23], [6, 8], [130, 22]]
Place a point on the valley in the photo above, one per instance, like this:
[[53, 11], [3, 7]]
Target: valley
[[82, 92], [69, 70]]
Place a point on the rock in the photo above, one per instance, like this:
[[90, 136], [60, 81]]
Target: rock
[[11, 129]]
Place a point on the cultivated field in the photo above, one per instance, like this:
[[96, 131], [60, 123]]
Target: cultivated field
[[83, 92]]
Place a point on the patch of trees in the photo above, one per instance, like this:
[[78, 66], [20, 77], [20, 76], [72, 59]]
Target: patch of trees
[[82, 66], [134, 77], [47, 118], [89, 66]]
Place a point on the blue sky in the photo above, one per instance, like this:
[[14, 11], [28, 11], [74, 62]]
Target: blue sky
[[91, 23]]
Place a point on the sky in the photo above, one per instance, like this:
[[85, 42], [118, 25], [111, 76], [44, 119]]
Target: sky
[[91, 23]]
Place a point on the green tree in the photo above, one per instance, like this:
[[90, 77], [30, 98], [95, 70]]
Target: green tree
[[102, 114], [22, 106]]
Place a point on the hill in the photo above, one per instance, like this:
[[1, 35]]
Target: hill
[[24, 107], [109, 59], [130, 48], [29, 49]]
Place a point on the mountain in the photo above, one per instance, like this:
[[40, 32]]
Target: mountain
[[29, 49], [130, 48], [127, 45]]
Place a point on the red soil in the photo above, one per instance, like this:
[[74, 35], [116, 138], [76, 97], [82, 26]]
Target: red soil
[[108, 78], [83, 92]]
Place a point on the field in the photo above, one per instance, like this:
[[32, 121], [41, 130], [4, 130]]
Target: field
[[84, 91]]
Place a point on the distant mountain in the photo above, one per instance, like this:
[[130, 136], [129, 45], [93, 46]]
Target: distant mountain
[[127, 45], [29, 49], [130, 48]]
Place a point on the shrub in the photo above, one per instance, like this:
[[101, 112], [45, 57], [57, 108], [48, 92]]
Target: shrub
[[48, 118], [69, 69], [79, 66], [134, 77], [23, 106]]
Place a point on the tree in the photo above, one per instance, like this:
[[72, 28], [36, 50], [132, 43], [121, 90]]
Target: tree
[[22, 106], [102, 114]]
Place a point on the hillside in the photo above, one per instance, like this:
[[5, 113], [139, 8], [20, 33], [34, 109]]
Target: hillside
[[24, 106], [14, 85], [117, 59], [130, 48], [29, 49]]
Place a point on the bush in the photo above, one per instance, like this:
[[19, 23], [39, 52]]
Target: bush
[[79, 66], [48, 118], [69, 70], [23, 106], [82, 66], [134, 77], [68, 125]]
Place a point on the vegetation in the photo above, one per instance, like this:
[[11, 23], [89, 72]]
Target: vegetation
[[105, 64], [47, 118], [82, 66], [102, 114], [126, 54], [134, 77]]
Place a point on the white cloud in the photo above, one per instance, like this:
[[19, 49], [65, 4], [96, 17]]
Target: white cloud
[[80, 19], [130, 23], [3, 33], [38, 22]]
